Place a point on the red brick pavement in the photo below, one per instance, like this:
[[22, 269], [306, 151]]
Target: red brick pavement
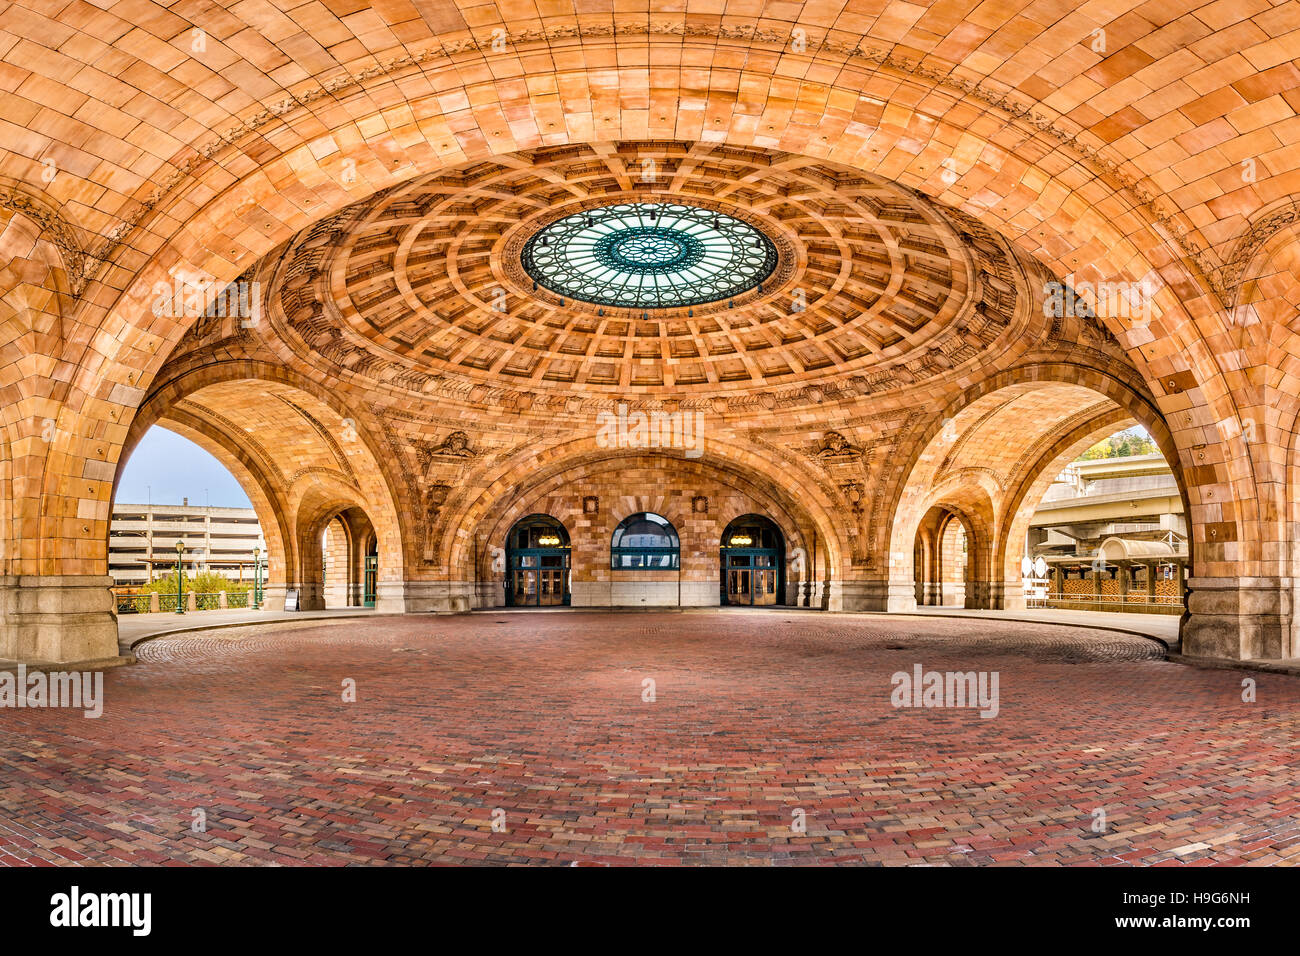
[[756, 715]]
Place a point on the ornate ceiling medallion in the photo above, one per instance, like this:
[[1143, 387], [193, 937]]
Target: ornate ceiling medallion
[[649, 256]]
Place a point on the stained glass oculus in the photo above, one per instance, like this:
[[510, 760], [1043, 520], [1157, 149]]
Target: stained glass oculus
[[649, 256]]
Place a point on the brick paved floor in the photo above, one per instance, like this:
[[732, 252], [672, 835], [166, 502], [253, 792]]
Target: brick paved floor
[[756, 715]]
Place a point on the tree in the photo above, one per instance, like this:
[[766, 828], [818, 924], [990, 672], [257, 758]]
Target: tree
[[1125, 444], [200, 582]]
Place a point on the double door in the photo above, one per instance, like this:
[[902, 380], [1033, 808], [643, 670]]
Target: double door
[[750, 579], [539, 587]]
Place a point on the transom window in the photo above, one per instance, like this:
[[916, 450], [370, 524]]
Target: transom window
[[646, 541], [537, 532], [649, 256], [751, 532]]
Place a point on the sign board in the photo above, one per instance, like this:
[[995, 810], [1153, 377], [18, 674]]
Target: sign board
[[291, 599], [1035, 582]]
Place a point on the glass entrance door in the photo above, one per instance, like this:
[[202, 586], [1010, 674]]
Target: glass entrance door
[[751, 557], [751, 579], [371, 579], [537, 563], [553, 587], [525, 587], [738, 590]]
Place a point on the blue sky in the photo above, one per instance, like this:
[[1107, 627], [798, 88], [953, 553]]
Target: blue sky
[[164, 468]]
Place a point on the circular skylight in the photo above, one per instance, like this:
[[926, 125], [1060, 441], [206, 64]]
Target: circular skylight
[[649, 256]]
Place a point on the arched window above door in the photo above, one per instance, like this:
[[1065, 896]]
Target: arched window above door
[[645, 541]]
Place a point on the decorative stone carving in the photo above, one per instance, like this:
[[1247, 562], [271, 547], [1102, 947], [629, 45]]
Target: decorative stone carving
[[1229, 279], [455, 445], [854, 494], [434, 499], [835, 447], [78, 265]]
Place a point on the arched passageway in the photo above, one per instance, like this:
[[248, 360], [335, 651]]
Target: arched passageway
[[752, 563], [538, 561], [941, 559], [912, 222], [984, 467], [322, 497], [350, 566]]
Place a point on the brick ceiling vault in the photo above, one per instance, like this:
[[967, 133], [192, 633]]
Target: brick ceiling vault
[[923, 170]]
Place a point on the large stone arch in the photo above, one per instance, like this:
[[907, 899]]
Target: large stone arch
[[954, 449], [335, 462], [1099, 234], [548, 488], [1032, 177]]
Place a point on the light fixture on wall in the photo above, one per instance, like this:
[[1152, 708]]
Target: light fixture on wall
[[549, 540], [741, 541]]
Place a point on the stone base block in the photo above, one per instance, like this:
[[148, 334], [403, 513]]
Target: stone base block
[[57, 618], [426, 597], [273, 597], [645, 594], [1238, 618], [311, 597]]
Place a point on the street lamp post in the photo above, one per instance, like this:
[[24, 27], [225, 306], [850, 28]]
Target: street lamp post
[[257, 579], [180, 577]]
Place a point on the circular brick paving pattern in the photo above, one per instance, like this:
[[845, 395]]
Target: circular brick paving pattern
[[539, 723]]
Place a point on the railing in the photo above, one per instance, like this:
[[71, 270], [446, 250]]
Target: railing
[[1132, 603], [133, 603], [136, 602]]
